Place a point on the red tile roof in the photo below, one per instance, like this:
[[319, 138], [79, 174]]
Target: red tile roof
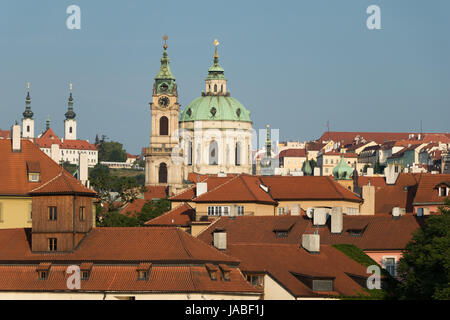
[[155, 192], [378, 137], [374, 181], [63, 183], [382, 232], [307, 188], [181, 215], [132, 208], [292, 153], [49, 137], [13, 168], [119, 244], [283, 261], [190, 193], [5, 134], [427, 192], [401, 194], [242, 188], [346, 154]]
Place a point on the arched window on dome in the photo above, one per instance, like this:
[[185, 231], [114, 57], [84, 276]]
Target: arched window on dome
[[215, 88], [213, 153], [163, 126], [237, 160], [162, 173]]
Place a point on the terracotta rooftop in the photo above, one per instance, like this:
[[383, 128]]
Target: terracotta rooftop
[[427, 191], [119, 245], [378, 137], [292, 153], [13, 168], [401, 194], [49, 137], [63, 183], [5, 134], [180, 215], [155, 192], [376, 181]]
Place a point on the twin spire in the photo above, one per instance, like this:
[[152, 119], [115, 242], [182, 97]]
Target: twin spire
[[28, 113]]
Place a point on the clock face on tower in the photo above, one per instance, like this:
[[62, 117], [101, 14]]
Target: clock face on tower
[[163, 101]]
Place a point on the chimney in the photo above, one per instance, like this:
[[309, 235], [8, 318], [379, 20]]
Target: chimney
[[311, 243], [234, 211], [220, 239], [369, 172], [337, 219], [202, 187], [320, 216], [16, 139], [391, 174], [397, 212], [316, 171], [295, 209], [368, 195], [54, 152], [83, 169]]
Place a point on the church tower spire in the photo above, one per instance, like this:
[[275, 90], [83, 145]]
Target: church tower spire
[[160, 170], [216, 83], [28, 121], [70, 124]]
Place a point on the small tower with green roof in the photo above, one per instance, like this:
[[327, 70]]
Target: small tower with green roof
[[343, 173]]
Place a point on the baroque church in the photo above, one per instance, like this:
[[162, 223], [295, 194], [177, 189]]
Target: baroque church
[[212, 135]]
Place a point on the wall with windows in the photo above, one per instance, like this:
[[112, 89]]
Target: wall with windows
[[249, 209], [348, 207], [386, 259], [15, 212]]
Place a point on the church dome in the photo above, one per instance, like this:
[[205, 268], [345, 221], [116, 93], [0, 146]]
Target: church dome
[[215, 107], [216, 104], [342, 171]]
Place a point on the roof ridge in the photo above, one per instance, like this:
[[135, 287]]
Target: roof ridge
[[183, 244], [248, 188], [214, 189], [170, 211], [49, 181]]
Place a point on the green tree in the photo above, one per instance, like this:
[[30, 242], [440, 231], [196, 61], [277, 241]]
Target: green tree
[[153, 209], [71, 168], [111, 151], [424, 269]]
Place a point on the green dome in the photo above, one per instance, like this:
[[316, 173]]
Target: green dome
[[215, 107], [342, 171]]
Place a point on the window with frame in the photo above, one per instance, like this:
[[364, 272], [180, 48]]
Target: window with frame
[[82, 213], [281, 210], [322, 285], [34, 177], [52, 244], [256, 280], [43, 275], [240, 210], [52, 213], [84, 275], [390, 266], [142, 275]]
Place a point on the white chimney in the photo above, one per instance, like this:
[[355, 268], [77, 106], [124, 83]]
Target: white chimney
[[234, 210], [16, 139], [391, 175], [369, 172], [295, 209], [320, 216], [220, 239], [311, 242], [55, 153], [317, 171], [83, 168], [202, 187], [337, 219]]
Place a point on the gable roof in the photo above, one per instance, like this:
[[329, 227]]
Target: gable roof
[[427, 191], [13, 168], [181, 215], [307, 188], [378, 137], [299, 153], [64, 183], [49, 137], [401, 194]]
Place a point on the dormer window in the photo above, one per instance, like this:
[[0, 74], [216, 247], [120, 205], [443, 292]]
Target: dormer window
[[34, 171], [43, 270], [143, 271], [282, 228], [85, 269], [212, 271], [317, 284], [226, 272]]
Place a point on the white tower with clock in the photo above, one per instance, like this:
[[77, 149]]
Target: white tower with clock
[[161, 165]]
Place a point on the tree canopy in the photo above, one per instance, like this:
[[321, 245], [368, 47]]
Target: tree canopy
[[110, 150], [424, 269]]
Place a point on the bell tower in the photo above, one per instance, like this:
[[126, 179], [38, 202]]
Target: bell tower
[[160, 167], [27, 120]]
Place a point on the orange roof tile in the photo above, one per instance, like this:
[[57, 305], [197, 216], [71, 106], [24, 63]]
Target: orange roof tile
[[63, 183], [427, 192], [181, 215], [13, 168], [292, 153], [155, 192]]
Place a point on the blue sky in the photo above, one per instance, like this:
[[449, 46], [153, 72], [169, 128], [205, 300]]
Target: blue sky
[[294, 64]]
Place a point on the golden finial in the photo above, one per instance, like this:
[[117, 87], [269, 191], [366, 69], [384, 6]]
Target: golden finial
[[70, 87], [165, 41], [28, 86], [216, 43]]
